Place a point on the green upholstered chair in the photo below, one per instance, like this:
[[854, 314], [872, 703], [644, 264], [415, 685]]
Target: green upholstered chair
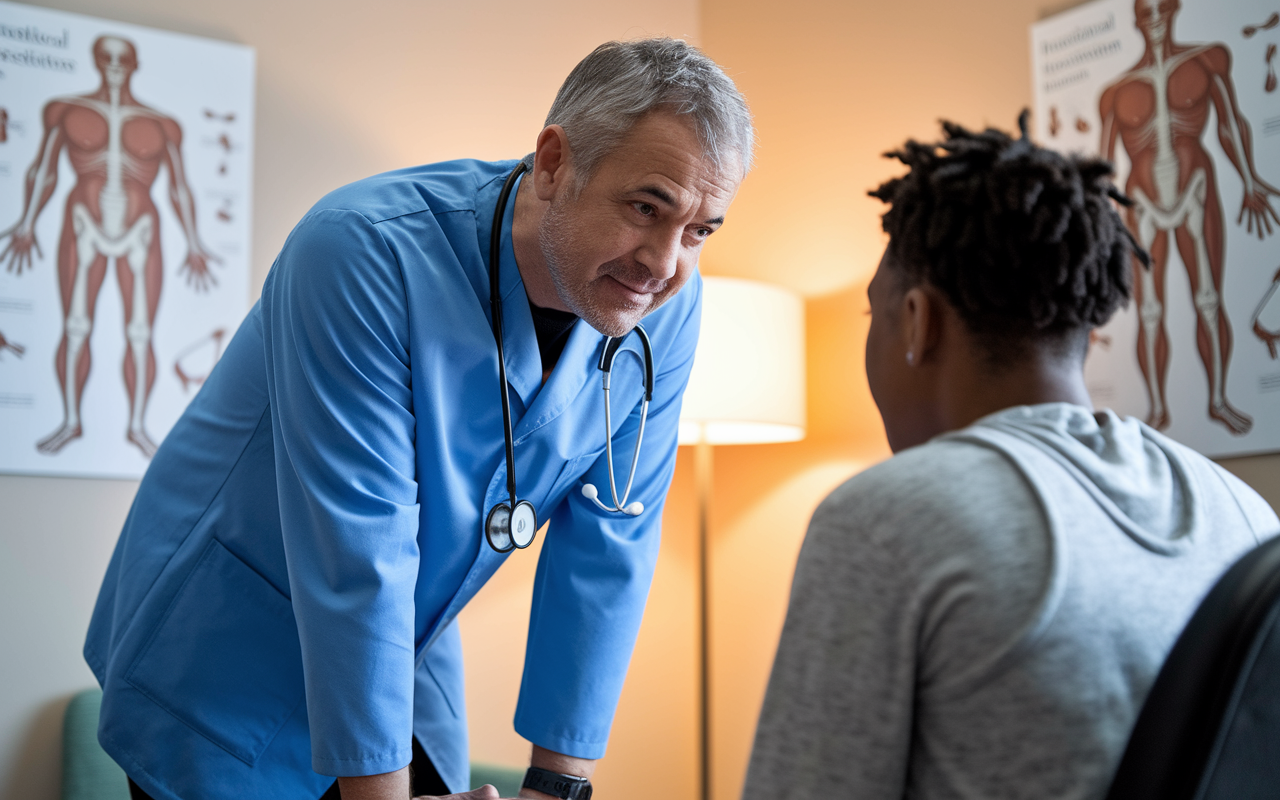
[[506, 780], [88, 773]]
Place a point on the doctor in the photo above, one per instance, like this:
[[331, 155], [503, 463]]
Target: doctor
[[279, 610]]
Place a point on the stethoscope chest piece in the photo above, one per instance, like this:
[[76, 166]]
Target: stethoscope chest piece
[[507, 530]]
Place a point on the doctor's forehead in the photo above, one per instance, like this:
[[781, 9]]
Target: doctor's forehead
[[663, 155]]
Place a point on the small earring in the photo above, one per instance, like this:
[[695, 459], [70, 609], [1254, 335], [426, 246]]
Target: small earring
[[911, 358]]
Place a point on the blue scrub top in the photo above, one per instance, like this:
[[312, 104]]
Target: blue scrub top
[[280, 606]]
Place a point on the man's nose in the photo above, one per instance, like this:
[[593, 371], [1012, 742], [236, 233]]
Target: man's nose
[[660, 254]]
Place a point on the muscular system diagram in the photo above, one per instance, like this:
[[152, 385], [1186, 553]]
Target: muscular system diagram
[[116, 146], [1158, 110], [1266, 318], [13, 347], [195, 362]]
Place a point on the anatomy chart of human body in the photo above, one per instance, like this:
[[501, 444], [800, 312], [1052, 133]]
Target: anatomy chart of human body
[[1180, 95], [118, 254]]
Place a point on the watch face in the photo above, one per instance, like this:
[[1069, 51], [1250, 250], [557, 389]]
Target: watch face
[[524, 524]]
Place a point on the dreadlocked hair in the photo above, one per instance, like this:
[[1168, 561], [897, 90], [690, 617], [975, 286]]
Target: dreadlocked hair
[[1023, 241]]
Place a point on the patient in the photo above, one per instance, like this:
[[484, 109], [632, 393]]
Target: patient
[[982, 615]]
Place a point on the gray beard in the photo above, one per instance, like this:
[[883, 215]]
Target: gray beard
[[608, 320]]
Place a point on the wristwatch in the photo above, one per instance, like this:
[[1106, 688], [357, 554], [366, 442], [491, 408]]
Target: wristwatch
[[557, 784]]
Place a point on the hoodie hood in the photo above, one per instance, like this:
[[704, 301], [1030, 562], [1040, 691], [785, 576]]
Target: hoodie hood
[[1141, 479]]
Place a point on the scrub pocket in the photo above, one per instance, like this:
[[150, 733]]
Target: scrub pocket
[[225, 658], [570, 478]]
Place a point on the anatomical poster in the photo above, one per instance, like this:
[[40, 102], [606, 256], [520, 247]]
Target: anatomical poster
[[1183, 98], [125, 187]]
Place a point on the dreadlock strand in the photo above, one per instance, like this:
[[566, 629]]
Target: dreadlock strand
[[1019, 239]]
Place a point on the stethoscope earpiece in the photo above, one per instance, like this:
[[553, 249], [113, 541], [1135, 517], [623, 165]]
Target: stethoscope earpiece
[[590, 492], [612, 346]]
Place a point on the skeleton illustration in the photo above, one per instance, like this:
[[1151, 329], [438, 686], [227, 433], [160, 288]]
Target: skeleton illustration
[[196, 361], [13, 347], [1158, 110], [116, 146], [1266, 317], [1250, 30]]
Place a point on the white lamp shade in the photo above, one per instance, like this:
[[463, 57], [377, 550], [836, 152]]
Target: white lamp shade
[[748, 381]]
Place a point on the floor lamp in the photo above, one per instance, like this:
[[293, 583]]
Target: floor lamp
[[747, 387]]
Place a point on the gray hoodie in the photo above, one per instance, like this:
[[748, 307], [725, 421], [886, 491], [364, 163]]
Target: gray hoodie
[[982, 616]]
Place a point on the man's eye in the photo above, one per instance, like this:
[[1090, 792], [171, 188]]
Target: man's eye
[[646, 209]]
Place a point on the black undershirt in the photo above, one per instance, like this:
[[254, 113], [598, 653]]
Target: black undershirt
[[552, 329]]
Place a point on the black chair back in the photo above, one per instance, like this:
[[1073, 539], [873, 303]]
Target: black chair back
[[1210, 728]]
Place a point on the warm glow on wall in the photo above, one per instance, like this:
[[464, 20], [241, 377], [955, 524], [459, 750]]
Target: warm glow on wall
[[748, 379], [747, 387]]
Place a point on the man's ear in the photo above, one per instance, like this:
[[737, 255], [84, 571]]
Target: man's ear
[[922, 323], [552, 163]]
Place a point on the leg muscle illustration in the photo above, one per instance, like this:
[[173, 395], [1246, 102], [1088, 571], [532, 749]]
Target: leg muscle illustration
[[1158, 110], [116, 146]]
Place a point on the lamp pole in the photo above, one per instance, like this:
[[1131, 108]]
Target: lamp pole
[[747, 329], [702, 472]]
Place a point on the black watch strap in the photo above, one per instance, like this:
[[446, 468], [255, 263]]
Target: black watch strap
[[557, 784]]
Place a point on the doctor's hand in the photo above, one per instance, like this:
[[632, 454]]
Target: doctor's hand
[[485, 792]]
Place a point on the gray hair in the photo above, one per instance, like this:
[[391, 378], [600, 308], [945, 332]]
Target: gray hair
[[620, 82]]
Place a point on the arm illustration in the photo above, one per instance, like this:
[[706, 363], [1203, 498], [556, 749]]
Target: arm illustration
[[1107, 111], [1233, 133], [196, 265], [42, 178]]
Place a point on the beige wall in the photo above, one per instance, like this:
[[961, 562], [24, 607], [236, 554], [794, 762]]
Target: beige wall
[[347, 89], [833, 85], [344, 89]]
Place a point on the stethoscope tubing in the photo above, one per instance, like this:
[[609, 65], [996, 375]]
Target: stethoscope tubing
[[495, 304], [498, 524], [606, 365]]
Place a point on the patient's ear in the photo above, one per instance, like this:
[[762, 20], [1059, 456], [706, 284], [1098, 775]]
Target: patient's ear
[[922, 321]]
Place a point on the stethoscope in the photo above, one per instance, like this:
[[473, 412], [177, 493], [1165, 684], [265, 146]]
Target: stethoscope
[[514, 523]]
